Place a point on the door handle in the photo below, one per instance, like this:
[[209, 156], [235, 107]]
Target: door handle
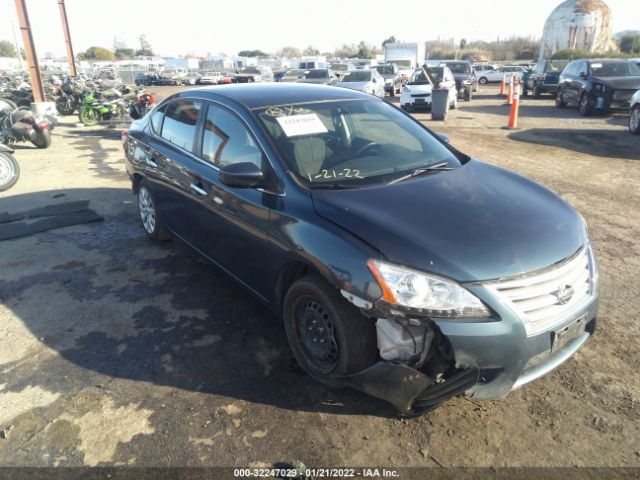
[[198, 190]]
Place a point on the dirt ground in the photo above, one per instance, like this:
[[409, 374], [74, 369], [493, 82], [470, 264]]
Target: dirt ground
[[114, 351]]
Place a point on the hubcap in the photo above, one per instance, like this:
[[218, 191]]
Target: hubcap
[[147, 210], [634, 119], [7, 172], [316, 335]]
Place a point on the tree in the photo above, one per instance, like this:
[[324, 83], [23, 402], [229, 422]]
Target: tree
[[124, 52], [364, 50], [311, 51], [145, 47], [252, 53], [346, 51], [630, 43], [289, 52], [391, 39], [97, 53], [463, 44], [7, 49]]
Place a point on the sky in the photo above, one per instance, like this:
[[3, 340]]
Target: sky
[[179, 27]]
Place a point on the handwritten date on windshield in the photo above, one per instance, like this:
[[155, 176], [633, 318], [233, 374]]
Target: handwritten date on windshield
[[335, 174]]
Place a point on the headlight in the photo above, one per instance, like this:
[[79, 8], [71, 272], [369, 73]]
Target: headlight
[[433, 296], [598, 87]]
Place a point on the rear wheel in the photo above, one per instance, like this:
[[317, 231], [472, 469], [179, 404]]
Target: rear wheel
[[634, 120], [328, 335], [151, 220], [482, 80], [42, 139], [9, 171], [65, 107], [537, 91]]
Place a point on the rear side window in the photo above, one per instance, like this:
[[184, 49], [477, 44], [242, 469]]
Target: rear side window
[[226, 140], [180, 122]]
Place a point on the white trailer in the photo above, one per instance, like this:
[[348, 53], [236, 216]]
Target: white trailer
[[406, 55]]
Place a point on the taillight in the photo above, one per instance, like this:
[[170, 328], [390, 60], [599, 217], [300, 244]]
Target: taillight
[[44, 126], [152, 99], [542, 77]]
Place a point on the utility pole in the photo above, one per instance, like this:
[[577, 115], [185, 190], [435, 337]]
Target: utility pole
[[67, 38], [30, 51]]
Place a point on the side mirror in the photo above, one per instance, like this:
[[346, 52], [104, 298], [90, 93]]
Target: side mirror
[[582, 75], [443, 137], [241, 175]]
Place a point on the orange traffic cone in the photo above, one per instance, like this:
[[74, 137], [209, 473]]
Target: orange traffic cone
[[510, 92], [502, 86], [513, 115]]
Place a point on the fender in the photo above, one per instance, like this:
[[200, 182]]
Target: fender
[[6, 148]]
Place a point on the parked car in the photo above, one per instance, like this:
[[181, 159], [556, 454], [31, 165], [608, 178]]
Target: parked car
[[634, 114], [320, 76], [392, 78], [260, 74], [210, 78], [417, 92], [544, 78], [172, 76], [598, 84], [499, 73], [483, 67], [465, 77], [191, 78], [225, 78], [292, 75], [340, 68], [149, 79], [367, 81], [310, 64], [399, 265]]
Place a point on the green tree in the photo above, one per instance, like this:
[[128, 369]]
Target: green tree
[[630, 44], [311, 51], [252, 53], [391, 39], [346, 51], [463, 44], [7, 49], [97, 53], [124, 53], [289, 52], [364, 50], [145, 47]]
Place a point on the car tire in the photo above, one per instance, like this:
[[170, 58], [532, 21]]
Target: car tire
[[585, 107], [482, 80], [560, 101], [327, 335], [468, 95], [537, 91], [150, 216], [634, 120]]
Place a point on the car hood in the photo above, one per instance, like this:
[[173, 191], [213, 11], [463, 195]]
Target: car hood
[[353, 85], [625, 83], [420, 88], [475, 222]]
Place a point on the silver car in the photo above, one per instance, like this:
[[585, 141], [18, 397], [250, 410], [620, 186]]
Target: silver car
[[367, 81]]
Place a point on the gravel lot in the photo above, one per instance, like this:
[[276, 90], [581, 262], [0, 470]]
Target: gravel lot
[[114, 351]]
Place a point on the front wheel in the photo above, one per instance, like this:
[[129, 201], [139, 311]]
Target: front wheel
[[89, 116], [482, 80], [9, 171], [42, 139], [65, 107], [634, 120], [586, 109], [328, 335], [560, 101]]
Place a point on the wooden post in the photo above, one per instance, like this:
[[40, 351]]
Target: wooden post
[[30, 51], [67, 38]]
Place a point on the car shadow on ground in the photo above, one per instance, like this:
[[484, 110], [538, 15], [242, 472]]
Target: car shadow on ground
[[123, 307], [608, 143]]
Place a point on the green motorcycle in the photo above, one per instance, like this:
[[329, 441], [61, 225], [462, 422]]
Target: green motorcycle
[[94, 110]]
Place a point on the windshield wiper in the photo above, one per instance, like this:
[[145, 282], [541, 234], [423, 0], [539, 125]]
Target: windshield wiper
[[438, 167]]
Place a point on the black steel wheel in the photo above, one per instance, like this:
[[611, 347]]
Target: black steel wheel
[[327, 334], [560, 101]]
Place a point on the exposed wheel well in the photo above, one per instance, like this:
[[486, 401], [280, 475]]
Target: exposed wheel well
[[291, 272], [135, 182]]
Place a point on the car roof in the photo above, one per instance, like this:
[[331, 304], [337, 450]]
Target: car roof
[[271, 94]]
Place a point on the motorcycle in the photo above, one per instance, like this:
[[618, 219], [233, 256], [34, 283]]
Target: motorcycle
[[142, 103], [70, 96], [20, 125], [94, 110], [9, 169]]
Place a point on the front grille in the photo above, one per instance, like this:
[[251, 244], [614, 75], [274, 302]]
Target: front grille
[[546, 298], [623, 95], [421, 95]]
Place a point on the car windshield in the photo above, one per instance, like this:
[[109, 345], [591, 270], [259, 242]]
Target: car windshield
[[357, 76], [436, 73], [339, 67], [403, 63], [419, 78], [459, 67], [614, 69], [317, 73], [385, 69], [351, 143]]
